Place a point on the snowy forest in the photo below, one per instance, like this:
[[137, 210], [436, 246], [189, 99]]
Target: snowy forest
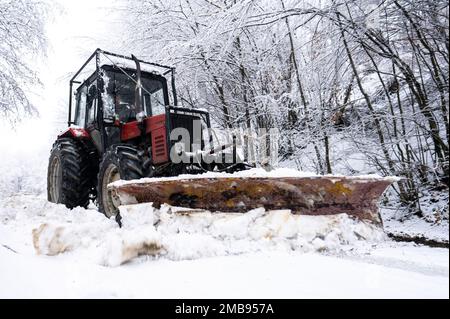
[[352, 88]]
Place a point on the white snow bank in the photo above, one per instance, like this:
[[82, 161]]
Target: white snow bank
[[179, 234], [27, 210], [254, 173]]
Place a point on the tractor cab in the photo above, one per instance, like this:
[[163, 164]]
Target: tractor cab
[[124, 123], [118, 96], [130, 102]]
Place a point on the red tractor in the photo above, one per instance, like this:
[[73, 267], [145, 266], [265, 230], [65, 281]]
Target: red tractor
[[122, 128]]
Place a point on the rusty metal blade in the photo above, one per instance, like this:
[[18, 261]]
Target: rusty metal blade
[[321, 195]]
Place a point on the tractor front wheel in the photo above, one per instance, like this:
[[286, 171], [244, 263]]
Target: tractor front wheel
[[119, 162], [70, 178]]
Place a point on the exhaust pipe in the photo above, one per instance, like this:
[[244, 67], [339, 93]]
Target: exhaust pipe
[[138, 91]]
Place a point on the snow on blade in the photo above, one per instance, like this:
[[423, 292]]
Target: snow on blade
[[252, 173]]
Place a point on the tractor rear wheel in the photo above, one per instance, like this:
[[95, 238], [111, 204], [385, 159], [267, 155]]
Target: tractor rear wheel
[[119, 162], [69, 177]]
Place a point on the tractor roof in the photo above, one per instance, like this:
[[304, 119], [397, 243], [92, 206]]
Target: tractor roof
[[129, 71]]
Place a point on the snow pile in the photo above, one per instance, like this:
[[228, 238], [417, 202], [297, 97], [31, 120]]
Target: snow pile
[[123, 245], [188, 234], [180, 234]]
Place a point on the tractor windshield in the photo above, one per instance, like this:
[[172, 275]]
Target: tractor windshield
[[119, 95]]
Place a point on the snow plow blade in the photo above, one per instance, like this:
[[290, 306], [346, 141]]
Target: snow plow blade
[[321, 195], [318, 195]]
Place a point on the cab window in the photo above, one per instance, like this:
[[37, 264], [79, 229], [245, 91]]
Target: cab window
[[154, 103], [119, 96], [91, 104], [80, 115]]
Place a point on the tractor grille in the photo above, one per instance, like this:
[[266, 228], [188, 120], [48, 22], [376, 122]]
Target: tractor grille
[[159, 145], [185, 121]]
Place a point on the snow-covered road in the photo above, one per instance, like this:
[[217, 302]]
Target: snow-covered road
[[257, 275], [377, 270]]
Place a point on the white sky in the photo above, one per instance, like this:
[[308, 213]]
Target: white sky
[[83, 26], [75, 31]]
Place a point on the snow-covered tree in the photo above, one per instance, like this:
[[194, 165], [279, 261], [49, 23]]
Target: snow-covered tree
[[337, 78], [22, 38]]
